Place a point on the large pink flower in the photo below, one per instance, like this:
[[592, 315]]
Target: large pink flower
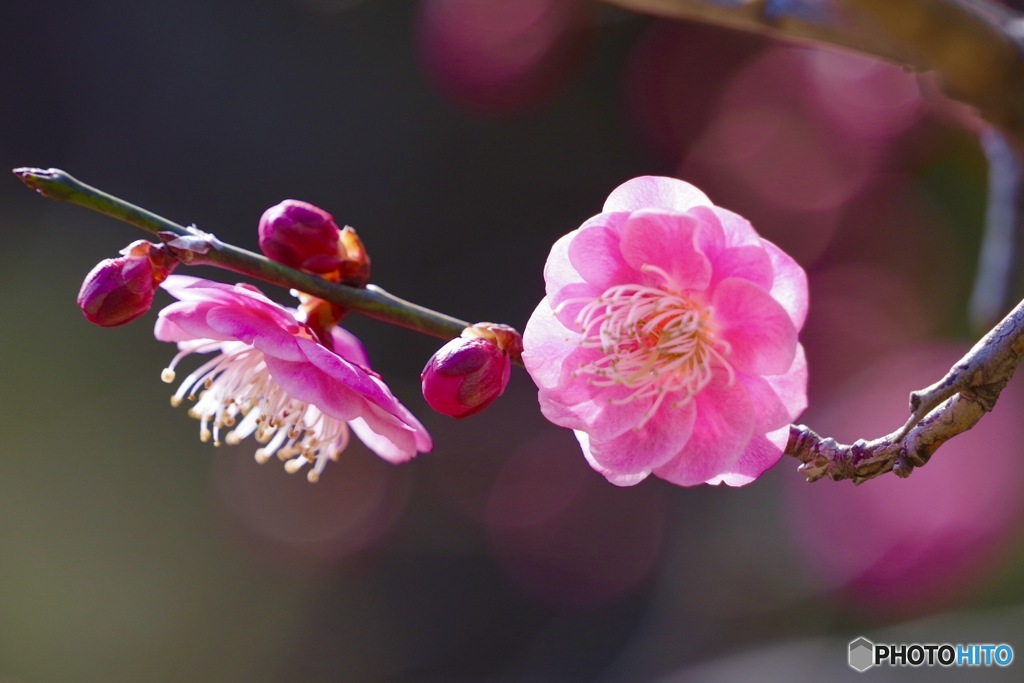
[[272, 378], [668, 339]]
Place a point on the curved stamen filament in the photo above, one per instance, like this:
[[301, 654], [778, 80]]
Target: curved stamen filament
[[236, 392], [655, 342]]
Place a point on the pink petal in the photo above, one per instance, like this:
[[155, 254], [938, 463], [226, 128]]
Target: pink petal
[[791, 386], [551, 355], [738, 230], [790, 285], [748, 263], [547, 343], [348, 346], [668, 241], [760, 454], [186, 288], [376, 406], [778, 399], [595, 255], [614, 477], [168, 331], [264, 334], [641, 450], [558, 270], [570, 300], [391, 440], [346, 374], [596, 414], [655, 192], [724, 425], [759, 331], [310, 385], [187, 319]]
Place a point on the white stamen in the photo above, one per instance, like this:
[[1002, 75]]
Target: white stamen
[[655, 341], [234, 391]]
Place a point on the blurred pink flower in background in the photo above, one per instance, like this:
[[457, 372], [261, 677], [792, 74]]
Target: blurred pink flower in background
[[922, 543], [499, 56], [791, 135], [288, 524], [668, 339], [270, 377], [566, 537], [802, 132]]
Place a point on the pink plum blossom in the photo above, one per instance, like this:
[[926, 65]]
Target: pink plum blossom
[[668, 339], [269, 376]]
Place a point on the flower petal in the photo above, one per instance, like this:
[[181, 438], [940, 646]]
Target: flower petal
[[558, 270], [311, 385], [655, 192], [778, 399], [246, 325], [547, 343], [724, 425], [749, 263], [551, 355], [643, 449], [594, 252], [738, 230], [789, 287], [669, 242], [348, 346], [759, 331], [389, 438], [616, 478], [760, 454]]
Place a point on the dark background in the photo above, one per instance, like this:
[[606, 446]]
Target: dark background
[[131, 552]]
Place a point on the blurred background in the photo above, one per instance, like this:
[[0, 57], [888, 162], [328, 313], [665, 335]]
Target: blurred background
[[461, 138]]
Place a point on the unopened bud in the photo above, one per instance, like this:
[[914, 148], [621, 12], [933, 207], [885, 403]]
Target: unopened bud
[[468, 373], [119, 290], [306, 237], [301, 236]]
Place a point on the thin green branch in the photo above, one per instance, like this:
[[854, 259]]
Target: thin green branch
[[208, 250]]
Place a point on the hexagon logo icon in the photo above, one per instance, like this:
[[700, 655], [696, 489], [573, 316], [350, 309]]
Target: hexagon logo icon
[[862, 654]]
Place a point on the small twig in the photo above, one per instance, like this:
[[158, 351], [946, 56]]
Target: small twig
[[1000, 257], [198, 248], [949, 407]]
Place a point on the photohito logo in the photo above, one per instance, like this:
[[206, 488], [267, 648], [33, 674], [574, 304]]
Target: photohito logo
[[863, 654]]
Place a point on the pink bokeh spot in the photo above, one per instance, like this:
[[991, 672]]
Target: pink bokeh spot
[[900, 546], [270, 378], [500, 56], [541, 514], [668, 339]]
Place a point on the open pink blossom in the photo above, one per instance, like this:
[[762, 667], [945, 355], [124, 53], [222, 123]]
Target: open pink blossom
[[269, 376], [668, 339]]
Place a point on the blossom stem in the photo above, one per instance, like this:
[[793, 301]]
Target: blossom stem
[[372, 301]]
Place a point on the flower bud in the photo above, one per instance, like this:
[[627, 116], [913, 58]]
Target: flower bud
[[119, 290], [469, 372], [301, 236]]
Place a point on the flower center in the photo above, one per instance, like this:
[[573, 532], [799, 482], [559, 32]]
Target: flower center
[[654, 340], [236, 392]]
